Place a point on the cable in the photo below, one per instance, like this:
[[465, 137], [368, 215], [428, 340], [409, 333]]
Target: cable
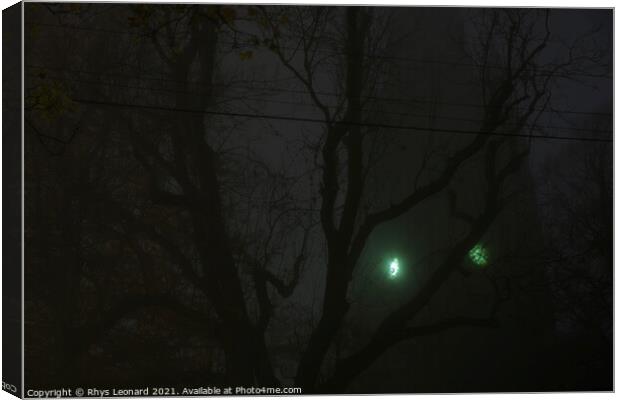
[[352, 123], [411, 100], [262, 100]]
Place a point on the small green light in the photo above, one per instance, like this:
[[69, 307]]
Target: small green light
[[479, 255], [394, 268]]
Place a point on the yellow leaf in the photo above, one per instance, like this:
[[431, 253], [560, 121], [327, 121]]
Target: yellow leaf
[[246, 55]]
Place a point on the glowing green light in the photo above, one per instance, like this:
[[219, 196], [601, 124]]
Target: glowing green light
[[394, 267], [479, 255]]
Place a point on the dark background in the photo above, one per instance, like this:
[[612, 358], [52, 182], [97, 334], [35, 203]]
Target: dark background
[[214, 195]]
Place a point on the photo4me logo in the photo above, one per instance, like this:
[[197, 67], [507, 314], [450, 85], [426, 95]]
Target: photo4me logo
[[8, 387]]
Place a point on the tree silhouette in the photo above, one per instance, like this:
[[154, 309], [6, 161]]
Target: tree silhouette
[[159, 221]]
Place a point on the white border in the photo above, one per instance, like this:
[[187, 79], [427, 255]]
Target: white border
[[444, 3]]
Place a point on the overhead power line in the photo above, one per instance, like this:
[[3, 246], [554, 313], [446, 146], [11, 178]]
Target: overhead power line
[[403, 100], [308, 105], [351, 123]]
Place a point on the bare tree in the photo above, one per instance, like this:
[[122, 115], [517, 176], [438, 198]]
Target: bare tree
[[516, 87], [215, 237]]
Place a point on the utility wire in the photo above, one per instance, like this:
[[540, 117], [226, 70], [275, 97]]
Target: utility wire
[[308, 105], [404, 100], [350, 123]]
